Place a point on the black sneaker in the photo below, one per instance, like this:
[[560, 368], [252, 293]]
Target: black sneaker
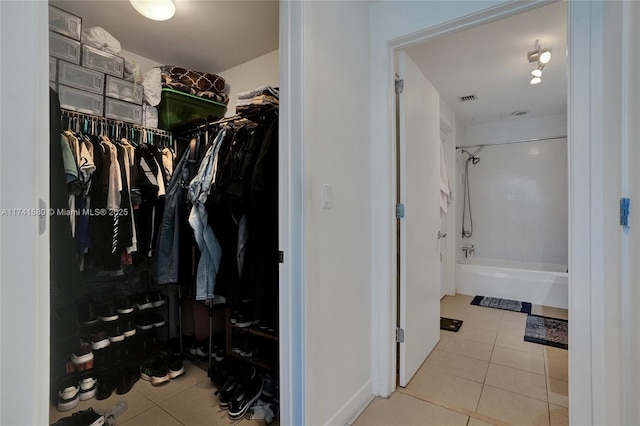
[[246, 345], [101, 357], [89, 417], [128, 377], [225, 392], [158, 320], [146, 371], [245, 320], [129, 329], [87, 313], [124, 305], [82, 354], [107, 382], [116, 333], [157, 299], [143, 301], [68, 390], [244, 397], [145, 322], [176, 368], [99, 340], [160, 372], [88, 386], [108, 312]]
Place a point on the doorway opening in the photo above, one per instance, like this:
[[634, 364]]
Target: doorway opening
[[517, 218]]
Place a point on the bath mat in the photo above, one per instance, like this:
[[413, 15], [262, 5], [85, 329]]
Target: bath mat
[[506, 304], [547, 331], [450, 324]]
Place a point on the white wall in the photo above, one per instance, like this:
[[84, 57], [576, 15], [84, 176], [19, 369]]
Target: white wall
[[145, 63], [518, 192], [337, 241], [263, 70]]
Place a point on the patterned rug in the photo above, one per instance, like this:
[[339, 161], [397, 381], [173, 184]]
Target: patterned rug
[[547, 331], [506, 304]]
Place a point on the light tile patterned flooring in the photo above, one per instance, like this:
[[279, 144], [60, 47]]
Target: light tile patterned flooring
[[483, 374], [187, 400]]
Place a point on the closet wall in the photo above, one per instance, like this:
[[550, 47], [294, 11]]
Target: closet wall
[[263, 70]]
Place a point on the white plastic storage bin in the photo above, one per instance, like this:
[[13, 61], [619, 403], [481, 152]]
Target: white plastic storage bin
[[123, 111], [124, 90], [64, 48], [53, 68], [65, 23], [102, 61], [81, 101], [80, 77]]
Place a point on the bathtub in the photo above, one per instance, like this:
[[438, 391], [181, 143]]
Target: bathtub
[[538, 283]]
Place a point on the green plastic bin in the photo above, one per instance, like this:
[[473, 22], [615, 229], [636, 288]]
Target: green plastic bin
[[178, 108]]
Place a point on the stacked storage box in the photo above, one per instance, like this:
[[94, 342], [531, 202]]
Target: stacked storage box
[[81, 73]]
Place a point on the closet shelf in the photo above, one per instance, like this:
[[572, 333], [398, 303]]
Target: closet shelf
[[264, 365], [255, 331]]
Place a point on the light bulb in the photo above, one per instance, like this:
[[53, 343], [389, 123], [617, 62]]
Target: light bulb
[[536, 80], [545, 57], [536, 73], [157, 10]]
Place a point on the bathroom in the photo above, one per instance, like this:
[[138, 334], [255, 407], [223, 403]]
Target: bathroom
[[511, 181], [506, 150]]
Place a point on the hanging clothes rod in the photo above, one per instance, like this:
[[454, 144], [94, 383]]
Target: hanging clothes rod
[[512, 142], [95, 118]]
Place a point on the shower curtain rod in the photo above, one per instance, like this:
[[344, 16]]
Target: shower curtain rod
[[512, 142]]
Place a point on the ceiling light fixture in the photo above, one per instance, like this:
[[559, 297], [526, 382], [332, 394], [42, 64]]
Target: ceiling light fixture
[[540, 56], [157, 10]]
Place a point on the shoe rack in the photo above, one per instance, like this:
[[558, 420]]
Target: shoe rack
[[260, 338]]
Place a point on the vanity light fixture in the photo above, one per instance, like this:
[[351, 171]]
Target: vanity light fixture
[[156, 10], [540, 56]]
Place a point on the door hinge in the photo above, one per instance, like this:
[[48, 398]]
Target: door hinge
[[399, 211], [399, 335], [281, 257], [399, 86], [624, 211]]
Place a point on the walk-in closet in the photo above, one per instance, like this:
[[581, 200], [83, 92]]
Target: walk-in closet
[[164, 212]]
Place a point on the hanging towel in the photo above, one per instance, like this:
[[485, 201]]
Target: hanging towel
[[446, 192]]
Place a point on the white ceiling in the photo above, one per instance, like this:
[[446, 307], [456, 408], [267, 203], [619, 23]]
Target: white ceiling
[[491, 61], [206, 35]]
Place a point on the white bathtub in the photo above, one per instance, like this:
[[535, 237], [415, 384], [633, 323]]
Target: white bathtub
[[538, 283]]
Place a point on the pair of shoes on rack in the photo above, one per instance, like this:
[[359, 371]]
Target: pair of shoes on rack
[[75, 388]]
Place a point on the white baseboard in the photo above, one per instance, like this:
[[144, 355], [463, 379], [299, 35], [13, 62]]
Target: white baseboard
[[354, 406]]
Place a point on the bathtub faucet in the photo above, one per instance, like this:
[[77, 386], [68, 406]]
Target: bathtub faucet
[[468, 250]]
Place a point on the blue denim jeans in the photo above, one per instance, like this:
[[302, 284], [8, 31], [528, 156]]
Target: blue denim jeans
[[210, 250]]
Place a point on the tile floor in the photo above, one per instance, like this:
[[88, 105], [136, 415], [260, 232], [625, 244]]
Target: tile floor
[[187, 400], [483, 374]]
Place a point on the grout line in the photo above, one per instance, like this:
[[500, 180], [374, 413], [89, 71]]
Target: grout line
[[171, 415], [460, 410]]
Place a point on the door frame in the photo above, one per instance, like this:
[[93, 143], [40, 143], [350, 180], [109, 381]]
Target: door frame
[[584, 18]]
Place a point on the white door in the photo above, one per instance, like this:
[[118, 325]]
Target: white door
[[419, 171]]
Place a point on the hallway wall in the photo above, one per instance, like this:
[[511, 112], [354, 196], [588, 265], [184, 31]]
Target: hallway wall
[[337, 239]]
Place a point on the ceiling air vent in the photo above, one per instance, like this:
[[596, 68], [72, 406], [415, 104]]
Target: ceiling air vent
[[468, 98]]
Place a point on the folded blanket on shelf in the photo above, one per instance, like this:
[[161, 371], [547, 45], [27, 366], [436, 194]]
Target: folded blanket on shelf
[[263, 90], [195, 80], [257, 100]]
